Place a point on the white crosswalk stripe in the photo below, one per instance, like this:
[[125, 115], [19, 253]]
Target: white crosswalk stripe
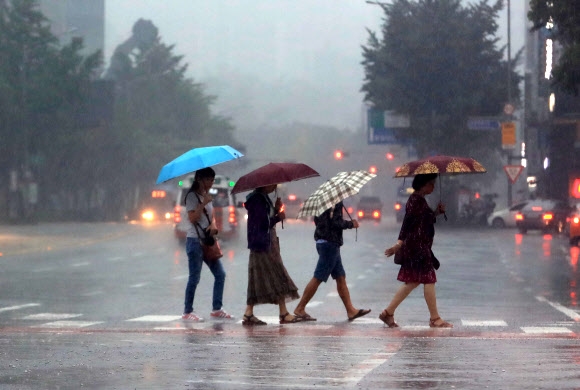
[[65, 320]]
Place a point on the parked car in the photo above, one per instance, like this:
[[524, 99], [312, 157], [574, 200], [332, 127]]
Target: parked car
[[574, 225], [224, 208], [505, 217], [369, 207], [547, 215]]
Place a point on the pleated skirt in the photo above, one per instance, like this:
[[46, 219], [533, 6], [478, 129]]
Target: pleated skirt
[[268, 280]]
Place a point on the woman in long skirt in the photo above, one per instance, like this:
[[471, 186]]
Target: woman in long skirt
[[268, 280]]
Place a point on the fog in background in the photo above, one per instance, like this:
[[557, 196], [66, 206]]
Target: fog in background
[[272, 62]]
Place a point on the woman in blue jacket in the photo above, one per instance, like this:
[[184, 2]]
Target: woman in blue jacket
[[268, 280]]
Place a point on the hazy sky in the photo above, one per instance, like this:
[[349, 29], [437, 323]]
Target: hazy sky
[[299, 59]]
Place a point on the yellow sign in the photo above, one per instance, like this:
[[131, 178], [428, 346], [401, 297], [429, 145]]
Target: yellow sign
[[508, 135]]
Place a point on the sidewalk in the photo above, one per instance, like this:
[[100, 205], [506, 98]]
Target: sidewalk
[[19, 239]]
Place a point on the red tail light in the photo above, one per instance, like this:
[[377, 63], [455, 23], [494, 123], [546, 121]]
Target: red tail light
[[376, 214], [177, 214], [397, 206], [576, 220], [361, 214], [548, 216], [519, 217], [232, 215]]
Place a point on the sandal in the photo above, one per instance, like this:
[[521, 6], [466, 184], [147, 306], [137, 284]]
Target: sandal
[[252, 320], [388, 319], [292, 321], [443, 324], [304, 317]]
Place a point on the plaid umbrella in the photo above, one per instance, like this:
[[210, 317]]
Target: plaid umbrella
[[335, 190]]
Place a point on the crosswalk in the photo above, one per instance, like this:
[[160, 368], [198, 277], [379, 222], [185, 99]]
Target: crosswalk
[[14, 316]]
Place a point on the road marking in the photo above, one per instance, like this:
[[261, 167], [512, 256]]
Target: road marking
[[67, 324], [9, 308], [116, 258], [483, 323], [139, 285], [80, 264], [181, 277], [359, 371], [544, 329], [45, 269], [50, 316], [361, 277], [314, 303], [368, 320], [568, 312], [332, 294], [155, 318]]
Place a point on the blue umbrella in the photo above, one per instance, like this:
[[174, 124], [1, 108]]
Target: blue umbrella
[[195, 159]]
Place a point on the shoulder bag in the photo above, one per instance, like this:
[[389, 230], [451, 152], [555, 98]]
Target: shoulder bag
[[209, 244]]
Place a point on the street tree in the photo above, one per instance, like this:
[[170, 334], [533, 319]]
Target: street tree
[[562, 19], [160, 113], [41, 86], [439, 62]]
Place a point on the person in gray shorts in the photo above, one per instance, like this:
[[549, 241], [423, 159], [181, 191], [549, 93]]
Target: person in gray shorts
[[328, 237]]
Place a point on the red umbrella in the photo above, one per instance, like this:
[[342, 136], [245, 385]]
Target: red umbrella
[[440, 165], [273, 173]]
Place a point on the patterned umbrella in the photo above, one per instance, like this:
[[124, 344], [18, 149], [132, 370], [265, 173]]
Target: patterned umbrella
[[440, 164], [335, 190]]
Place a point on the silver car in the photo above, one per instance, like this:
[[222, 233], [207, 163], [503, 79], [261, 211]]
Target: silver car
[[505, 217]]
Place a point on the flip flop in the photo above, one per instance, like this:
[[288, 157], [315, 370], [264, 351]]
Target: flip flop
[[304, 317], [361, 312]]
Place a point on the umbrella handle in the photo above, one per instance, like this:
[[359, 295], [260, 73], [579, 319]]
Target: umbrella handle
[[444, 214], [356, 229]]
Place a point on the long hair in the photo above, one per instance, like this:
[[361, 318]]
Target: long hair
[[200, 174]]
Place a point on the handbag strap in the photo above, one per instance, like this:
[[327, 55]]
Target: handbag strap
[[206, 215]]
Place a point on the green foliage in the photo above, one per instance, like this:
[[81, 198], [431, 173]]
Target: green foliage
[[159, 114], [562, 18], [41, 86], [438, 62]]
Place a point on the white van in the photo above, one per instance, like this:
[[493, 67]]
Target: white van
[[224, 208]]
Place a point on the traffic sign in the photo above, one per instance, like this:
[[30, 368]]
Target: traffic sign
[[508, 109], [513, 172], [508, 135], [381, 135], [483, 123]]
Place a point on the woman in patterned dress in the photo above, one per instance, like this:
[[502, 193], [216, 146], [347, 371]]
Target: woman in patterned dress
[[413, 249], [268, 280]]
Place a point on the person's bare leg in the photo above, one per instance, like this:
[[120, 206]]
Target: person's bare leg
[[431, 300], [344, 294], [400, 296], [284, 310], [249, 310], [307, 295]]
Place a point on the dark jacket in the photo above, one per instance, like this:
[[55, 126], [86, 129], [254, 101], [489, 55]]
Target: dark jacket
[[417, 232], [330, 228], [259, 221]]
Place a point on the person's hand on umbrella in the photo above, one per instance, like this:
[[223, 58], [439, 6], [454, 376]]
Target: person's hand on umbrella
[[440, 209], [207, 198], [355, 224]]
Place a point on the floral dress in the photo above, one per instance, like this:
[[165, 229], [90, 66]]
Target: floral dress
[[417, 231]]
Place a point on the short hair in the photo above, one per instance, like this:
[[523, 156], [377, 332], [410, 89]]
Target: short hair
[[419, 181]]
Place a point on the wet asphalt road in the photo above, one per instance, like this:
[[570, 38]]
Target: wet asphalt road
[[97, 306]]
